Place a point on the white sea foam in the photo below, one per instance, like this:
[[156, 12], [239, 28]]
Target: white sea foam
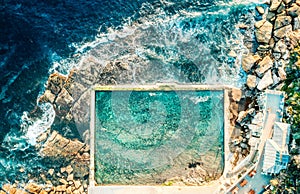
[[32, 128]]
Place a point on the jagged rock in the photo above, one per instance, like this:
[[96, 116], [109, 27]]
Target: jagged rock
[[294, 38], [63, 181], [51, 171], [280, 47], [287, 1], [69, 169], [281, 32], [33, 188], [64, 98], [259, 23], [61, 188], [264, 33], [70, 177], [236, 94], [251, 81], [81, 168], [294, 10], [265, 81], [263, 47], [282, 21], [270, 16], [57, 147], [248, 61], [296, 25], [275, 4], [43, 192], [77, 184], [264, 65], [56, 82], [47, 97], [281, 73], [260, 10], [281, 10], [276, 56]]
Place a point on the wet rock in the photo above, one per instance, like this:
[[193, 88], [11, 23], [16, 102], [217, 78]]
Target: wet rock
[[282, 21], [251, 81], [61, 188], [281, 32], [64, 98], [264, 33], [264, 65], [287, 1], [280, 47], [294, 38], [33, 188], [294, 10], [248, 61], [77, 184], [263, 47], [296, 25], [270, 16], [48, 96], [43, 192], [281, 73], [81, 168], [266, 81], [281, 10], [276, 55], [56, 82], [57, 147], [63, 181], [275, 4], [70, 177], [51, 171], [69, 169], [260, 10], [236, 94]]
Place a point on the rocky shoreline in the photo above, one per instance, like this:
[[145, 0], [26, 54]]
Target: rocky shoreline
[[276, 35]]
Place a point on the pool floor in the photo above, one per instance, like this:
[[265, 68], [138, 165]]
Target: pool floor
[[158, 137]]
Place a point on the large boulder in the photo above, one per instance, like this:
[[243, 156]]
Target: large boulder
[[266, 81], [282, 21], [264, 32], [236, 94], [275, 4], [251, 81], [248, 61], [264, 65], [57, 147], [294, 10], [281, 32]]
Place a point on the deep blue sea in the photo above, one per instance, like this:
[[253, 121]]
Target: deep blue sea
[[39, 37]]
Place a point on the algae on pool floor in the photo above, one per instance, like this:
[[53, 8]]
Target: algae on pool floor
[[149, 137]]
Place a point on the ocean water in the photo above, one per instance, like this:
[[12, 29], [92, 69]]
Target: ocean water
[[192, 38], [140, 135]]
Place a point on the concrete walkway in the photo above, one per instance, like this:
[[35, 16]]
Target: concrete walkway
[[212, 189]]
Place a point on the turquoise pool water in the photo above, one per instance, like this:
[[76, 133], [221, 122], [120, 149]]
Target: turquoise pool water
[[147, 137]]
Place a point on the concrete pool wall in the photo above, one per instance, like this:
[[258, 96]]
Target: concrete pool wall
[[157, 87]]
